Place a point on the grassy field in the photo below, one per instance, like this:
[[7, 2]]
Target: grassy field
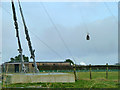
[[98, 81]]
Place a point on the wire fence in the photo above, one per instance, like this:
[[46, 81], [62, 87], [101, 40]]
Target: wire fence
[[16, 68], [89, 71]]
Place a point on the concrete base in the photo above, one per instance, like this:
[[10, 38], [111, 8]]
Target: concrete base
[[44, 77]]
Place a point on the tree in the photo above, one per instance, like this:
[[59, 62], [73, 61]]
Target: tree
[[17, 59], [74, 67], [68, 60]]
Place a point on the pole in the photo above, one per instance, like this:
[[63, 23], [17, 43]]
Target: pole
[[106, 70], [90, 71], [18, 39], [3, 75], [75, 72], [28, 39]]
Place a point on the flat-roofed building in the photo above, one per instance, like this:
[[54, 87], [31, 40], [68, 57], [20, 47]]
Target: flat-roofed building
[[12, 67]]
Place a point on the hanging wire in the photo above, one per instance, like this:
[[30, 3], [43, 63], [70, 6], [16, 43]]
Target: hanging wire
[[85, 27], [109, 10], [47, 45], [44, 43], [64, 43]]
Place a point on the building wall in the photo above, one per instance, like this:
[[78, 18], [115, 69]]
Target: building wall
[[51, 64], [31, 68], [10, 67], [26, 65]]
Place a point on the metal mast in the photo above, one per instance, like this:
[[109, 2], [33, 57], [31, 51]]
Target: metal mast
[[28, 39], [18, 39]]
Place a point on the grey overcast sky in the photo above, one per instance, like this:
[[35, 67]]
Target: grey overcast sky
[[73, 21]]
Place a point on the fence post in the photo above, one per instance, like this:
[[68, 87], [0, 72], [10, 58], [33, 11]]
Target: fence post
[[106, 70], [90, 71], [3, 75], [75, 72]]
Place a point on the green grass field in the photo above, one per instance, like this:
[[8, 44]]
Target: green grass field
[[98, 81]]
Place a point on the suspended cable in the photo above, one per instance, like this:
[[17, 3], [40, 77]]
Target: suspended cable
[[85, 26], [65, 45], [109, 10], [47, 45]]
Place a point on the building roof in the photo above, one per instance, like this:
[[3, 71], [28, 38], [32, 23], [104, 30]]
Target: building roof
[[32, 62], [50, 62]]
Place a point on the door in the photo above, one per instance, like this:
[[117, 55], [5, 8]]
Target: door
[[16, 68]]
